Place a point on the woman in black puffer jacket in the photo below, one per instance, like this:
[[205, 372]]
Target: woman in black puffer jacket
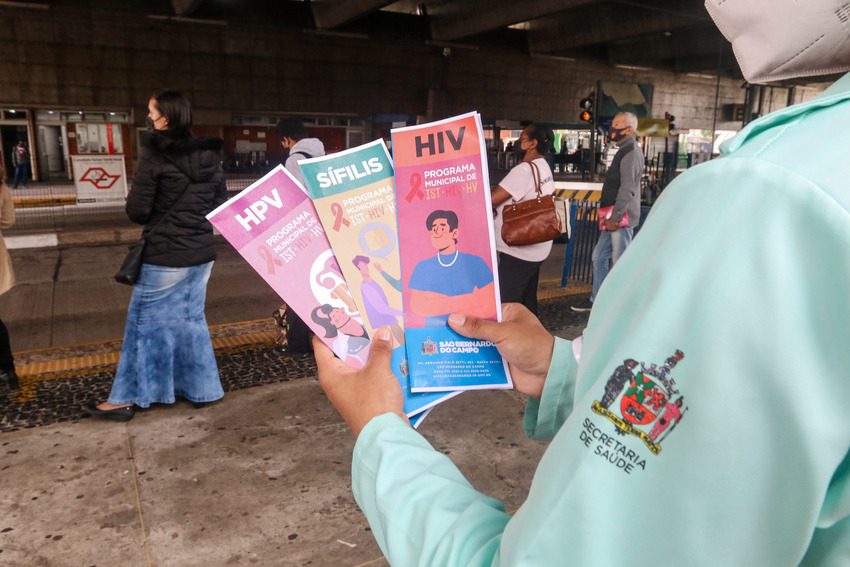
[[167, 350]]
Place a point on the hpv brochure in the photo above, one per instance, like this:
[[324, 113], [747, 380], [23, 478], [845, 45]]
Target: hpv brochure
[[447, 252], [274, 226], [354, 195]]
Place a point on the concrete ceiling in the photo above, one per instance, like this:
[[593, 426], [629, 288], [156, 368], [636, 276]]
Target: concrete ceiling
[[671, 35]]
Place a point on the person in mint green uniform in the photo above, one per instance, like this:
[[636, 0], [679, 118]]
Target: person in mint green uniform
[[727, 319]]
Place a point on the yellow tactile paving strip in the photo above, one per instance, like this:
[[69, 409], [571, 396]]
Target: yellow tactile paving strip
[[543, 294], [30, 202], [111, 358], [32, 374], [66, 367], [68, 364], [551, 289]]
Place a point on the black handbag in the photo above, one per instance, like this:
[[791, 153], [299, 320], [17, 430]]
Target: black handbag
[[128, 273], [532, 221]]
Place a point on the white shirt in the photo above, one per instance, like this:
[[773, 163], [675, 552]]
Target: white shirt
[[520, 184]]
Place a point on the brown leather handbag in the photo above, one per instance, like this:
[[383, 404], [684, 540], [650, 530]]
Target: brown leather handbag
[[532, 221]]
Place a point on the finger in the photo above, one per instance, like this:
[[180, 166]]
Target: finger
[[382, 349], [475, 327], [515, 312], [324, 355]]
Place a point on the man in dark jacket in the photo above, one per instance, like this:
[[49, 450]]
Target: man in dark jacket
[[621, 198], [21, 163]]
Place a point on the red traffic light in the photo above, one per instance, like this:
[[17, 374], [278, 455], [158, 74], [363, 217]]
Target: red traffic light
[[586, 116]]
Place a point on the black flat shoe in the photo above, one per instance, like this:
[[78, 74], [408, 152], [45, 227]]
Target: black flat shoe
[[199, 405], [117, 414], [9, 378]]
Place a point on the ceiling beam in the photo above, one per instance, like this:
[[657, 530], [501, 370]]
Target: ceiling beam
[[728, 65], [185, 7], [458, 19], [329, 14], [610, 21], [670, 44]]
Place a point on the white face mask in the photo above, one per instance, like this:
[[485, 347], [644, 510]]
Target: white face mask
[[783, 39]]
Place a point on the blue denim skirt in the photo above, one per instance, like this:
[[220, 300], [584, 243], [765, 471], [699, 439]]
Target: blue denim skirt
[[167, 349]]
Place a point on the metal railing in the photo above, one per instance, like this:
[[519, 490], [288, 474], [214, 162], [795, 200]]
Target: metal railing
[[578, 263], [52, 206]]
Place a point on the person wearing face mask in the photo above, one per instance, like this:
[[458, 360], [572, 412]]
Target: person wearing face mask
[[167, 351], [701, 419], [519, 266], [621, 190]]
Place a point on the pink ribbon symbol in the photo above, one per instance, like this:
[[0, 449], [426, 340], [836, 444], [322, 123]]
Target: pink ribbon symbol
[[339, 219], [415, 181], [270, 259]]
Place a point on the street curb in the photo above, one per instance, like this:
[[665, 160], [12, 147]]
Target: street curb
[[106, 236], [123, 235]]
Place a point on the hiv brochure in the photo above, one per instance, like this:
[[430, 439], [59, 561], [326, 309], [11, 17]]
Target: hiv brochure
[[274, 226], [447, 252], [354, 195]]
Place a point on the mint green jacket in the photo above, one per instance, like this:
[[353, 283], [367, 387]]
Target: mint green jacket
[[706, 420]]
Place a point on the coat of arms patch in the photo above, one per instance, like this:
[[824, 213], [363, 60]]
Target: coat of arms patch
[[651, 405]]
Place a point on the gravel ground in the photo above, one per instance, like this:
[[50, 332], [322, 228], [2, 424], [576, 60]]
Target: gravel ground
[[58, 397]]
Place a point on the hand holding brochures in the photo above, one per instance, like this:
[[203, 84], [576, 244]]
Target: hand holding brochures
[[604, 214], [361, 394], [361, 252], [521, 340]]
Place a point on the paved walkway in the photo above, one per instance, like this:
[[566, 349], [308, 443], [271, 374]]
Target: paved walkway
[[261, 477]]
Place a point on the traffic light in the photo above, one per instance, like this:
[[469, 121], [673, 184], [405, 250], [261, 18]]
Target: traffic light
[[670, 118], [586, 106]]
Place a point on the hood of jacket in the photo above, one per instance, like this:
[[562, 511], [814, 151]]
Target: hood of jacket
[[312, 146], [199, 157]]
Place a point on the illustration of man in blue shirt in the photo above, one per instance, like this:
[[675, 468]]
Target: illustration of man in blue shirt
[[451, 281]]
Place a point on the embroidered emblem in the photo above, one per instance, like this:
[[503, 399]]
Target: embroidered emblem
[[429, 346], [651, 402]]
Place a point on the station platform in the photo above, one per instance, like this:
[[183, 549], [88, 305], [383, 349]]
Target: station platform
[[261, 477]]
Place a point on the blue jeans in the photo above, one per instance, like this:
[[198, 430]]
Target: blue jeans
[[608, 250], [22, 173], [167, 349]]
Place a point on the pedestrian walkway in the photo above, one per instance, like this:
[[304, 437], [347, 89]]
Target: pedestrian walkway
[[261, 477]]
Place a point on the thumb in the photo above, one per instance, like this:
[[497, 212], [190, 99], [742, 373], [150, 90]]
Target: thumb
[[326, 360], [322, 353], [382, 349], [474, 327]]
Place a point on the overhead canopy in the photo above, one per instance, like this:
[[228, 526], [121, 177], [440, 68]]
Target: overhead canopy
[[670, 35]]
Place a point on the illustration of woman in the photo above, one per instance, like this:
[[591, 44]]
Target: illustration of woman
[[351, 342]]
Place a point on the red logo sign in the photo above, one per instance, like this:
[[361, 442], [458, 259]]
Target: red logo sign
[[98, 177]]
